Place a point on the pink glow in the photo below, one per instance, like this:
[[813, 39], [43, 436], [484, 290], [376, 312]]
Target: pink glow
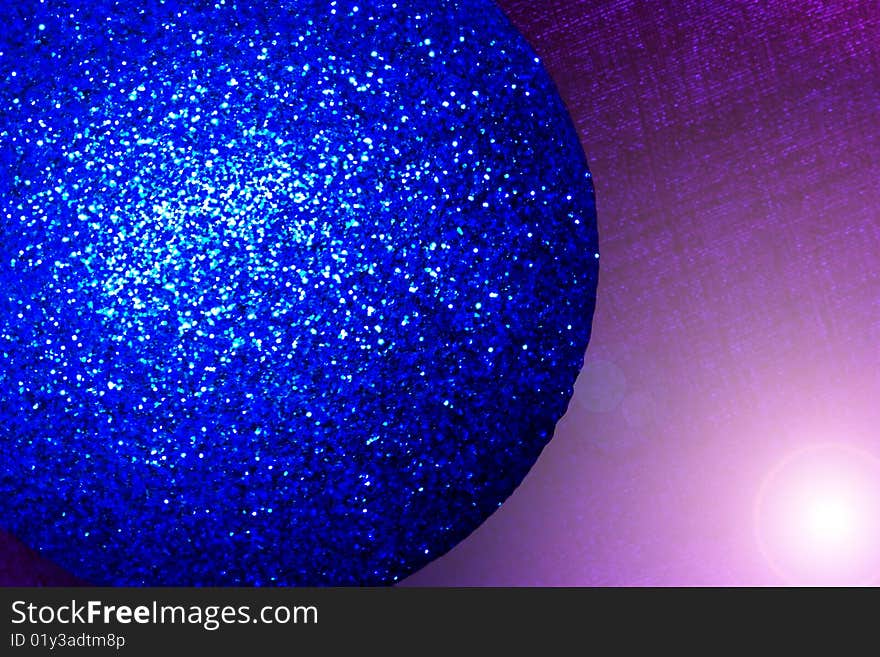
[[817, 517]]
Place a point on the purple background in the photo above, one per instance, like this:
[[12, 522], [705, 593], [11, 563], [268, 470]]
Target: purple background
[[736, 152]]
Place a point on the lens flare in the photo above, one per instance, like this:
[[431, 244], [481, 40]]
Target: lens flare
[[817, 517]]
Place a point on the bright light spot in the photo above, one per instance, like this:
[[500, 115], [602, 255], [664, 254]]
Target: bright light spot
[[818, 517], [830, 521]]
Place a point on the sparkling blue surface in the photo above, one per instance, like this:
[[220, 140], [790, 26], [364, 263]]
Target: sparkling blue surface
[[292, 292]]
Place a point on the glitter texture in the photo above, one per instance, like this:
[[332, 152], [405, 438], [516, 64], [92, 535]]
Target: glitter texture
[[275, 282]]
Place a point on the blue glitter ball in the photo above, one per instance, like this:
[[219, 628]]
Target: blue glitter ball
[[293, 292]]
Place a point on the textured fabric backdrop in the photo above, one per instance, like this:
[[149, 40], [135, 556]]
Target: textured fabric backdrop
[[736, 152]]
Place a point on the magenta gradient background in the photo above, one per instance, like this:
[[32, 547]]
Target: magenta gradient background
[[736, 152]]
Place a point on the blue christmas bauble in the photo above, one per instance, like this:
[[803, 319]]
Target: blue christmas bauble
[[293, 291]]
